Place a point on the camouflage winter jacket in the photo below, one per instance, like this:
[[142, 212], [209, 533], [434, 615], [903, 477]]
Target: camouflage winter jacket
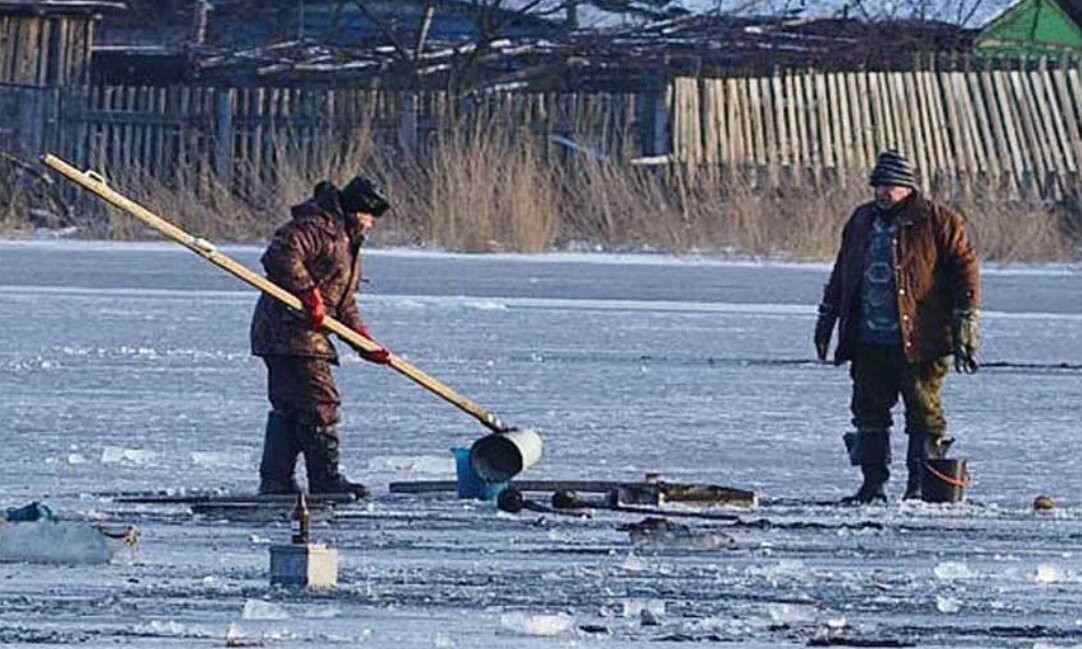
[[313, 249], [935, 272]]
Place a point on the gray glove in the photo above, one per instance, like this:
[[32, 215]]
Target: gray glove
[[824, 329], [966, 333]]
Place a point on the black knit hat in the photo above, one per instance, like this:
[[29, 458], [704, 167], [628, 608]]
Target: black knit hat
[[892, 168], [362, 195]]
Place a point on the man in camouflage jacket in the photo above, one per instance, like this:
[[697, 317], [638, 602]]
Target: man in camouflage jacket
[[316, 256], [904, 292]]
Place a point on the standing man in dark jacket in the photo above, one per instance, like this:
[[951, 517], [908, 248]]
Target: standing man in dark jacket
[[904, 291], [315, 256]]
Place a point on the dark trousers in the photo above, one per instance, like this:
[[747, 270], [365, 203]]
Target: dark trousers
[[880, 373], [303, 388]]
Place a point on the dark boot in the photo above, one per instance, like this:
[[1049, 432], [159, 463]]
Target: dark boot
[[922, 447], [874, 487], [280, 451], [321, 456], [870, 450]]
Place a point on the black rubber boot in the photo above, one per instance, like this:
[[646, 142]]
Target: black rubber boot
[[280, 451], [870, 450], [874, 487], [922, 447], [321, 456]]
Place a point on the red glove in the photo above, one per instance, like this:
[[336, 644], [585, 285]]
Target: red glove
[[380, 356], [312, 300]]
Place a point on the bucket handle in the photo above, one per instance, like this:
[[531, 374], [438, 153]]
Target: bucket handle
[[966, 481]]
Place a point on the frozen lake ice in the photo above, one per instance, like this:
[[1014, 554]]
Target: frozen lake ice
[[125, 367]]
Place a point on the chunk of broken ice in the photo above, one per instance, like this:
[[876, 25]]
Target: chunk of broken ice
[[635, 564], [949, 570], [258, 609], [947, 604], [114, 454], [536, 625], [782, 613], [443, 641], [64, 542], [635, 606], [1048, 573]]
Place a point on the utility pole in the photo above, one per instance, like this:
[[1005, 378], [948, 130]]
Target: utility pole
[[300, 20]]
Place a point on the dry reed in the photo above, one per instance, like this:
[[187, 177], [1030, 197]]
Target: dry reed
[[492, 187]]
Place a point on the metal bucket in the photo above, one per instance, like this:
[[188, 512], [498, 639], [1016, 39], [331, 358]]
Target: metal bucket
[[501, 456], [470, 485], [944, 481]]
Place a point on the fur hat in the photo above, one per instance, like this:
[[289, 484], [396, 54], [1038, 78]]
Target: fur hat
[[363, 195]]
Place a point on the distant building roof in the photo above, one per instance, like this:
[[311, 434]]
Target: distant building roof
[[1034, 27]]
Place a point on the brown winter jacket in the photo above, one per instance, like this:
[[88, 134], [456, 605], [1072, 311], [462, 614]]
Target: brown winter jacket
[[313, 249], [935, 273]]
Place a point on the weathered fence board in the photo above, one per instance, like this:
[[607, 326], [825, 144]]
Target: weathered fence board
[[1017, 128]]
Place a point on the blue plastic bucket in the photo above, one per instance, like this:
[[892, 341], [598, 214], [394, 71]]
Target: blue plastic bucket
[[470, 485]]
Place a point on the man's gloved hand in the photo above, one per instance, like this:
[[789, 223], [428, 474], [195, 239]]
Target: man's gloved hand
[[824, 329], [381, 356], [966, 332], [312, 299]]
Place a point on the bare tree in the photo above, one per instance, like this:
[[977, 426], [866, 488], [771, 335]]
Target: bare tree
[[963, 13], [491, 19]]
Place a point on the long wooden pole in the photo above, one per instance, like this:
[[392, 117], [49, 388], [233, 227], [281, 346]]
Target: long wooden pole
[[96, 184]]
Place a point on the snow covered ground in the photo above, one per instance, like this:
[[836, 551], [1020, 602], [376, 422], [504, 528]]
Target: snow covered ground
[[125, 368]]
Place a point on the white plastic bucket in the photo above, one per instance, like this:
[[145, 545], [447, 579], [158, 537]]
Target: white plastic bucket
[[501, 456]]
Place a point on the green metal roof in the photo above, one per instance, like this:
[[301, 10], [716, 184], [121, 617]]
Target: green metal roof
[[1035, 27]]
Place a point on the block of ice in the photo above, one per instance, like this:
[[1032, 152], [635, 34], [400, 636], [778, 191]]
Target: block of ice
[[536, 625], [947, 604], [950, 570], [138, 456], [258, 609], [1048, 573], [64, 542], [635, 564], [634, 607]]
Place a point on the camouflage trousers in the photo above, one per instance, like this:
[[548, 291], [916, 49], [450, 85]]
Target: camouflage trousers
[[304, 388], [880, 374]]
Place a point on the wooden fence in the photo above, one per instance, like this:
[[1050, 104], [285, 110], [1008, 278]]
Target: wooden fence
[[1013, 130], [1019, 131], [240, 135]]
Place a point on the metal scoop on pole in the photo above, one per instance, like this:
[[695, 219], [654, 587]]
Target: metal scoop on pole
[[496, 457]]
